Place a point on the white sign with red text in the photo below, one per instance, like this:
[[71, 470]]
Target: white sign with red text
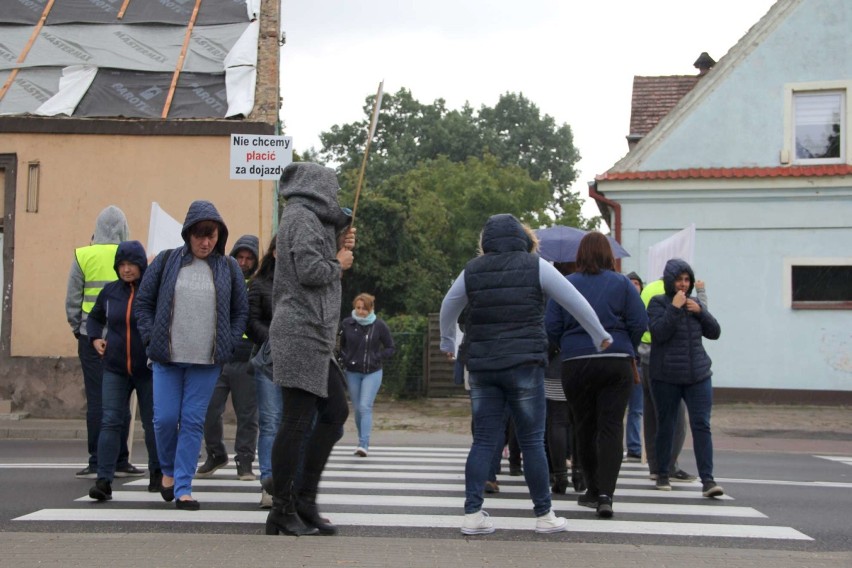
[[258, 156]]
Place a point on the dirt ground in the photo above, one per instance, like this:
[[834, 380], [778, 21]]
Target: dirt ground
[[453, 415]]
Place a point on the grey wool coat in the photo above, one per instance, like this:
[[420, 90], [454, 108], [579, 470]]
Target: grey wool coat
[[306, 291]]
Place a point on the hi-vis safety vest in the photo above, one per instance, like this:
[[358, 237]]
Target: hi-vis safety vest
[[97, 264]]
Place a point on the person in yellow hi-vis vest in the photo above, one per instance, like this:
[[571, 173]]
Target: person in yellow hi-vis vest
[[92, 269]]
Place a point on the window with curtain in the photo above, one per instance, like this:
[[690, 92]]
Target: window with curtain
[[819, 133]]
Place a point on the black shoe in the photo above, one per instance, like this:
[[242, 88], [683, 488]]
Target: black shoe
[[155, 481], [279, 522], [605, 506], [306, 508], [167, 493], [560, 483], [129, 470], [633, 458], [89, 472], [681, 475], [710, 489], [101, 490], [211, 465], [588, 499], [515, 470], [244, 472], [188, 505]]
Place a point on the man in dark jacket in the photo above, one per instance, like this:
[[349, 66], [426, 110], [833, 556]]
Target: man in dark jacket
[[680, 370], [125, 368], [237, 379]]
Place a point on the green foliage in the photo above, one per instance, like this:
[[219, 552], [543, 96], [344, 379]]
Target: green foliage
[[434, 177], [402, 375]]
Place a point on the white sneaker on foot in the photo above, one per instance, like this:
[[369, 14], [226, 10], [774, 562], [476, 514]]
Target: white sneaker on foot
[[550, 523], [477, 523], [360, 452]]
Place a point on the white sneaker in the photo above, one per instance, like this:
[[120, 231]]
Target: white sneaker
[[360, 452], [550, 523], [477, 523]]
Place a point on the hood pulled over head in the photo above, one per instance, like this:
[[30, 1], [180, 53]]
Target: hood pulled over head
[[315, 187], [201, 210], [674, 268], [111, 227], [504, 233], [249, 243], [133, 252]]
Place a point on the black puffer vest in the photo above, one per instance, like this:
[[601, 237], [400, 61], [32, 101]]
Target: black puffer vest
[[505, 325]]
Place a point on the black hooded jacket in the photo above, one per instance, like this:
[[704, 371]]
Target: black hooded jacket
[[677, 352], [113, 310]]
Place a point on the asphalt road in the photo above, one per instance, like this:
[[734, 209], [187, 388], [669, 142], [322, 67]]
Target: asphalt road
[[800, 493]]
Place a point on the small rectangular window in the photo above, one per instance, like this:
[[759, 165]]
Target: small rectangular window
[[32, 187], [821, 287], [819, 126]]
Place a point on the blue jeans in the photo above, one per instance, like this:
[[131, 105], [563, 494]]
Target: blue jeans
[[634, 420], [699, 401], [270, 409], [522, 388], [363, 388], [93, 377], [181, 394], [116, 396]]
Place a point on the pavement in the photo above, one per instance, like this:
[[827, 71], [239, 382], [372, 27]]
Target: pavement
[[741, 428]]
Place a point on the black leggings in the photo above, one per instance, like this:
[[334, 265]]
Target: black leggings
[[295, 452]]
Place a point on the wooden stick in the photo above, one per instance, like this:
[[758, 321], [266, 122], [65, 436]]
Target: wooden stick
[[179, 65], [26, 49], [123, 9], [373, 122]]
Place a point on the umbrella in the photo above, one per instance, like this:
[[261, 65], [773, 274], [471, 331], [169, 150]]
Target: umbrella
[[560, 244]]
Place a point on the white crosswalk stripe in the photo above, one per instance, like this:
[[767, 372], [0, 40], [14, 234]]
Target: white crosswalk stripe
[[424, 488], [839, 459]]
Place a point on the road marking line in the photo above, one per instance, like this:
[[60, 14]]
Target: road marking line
[[421, 521]]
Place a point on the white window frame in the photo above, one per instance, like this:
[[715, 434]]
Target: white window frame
[[789, 263], [788, 151]]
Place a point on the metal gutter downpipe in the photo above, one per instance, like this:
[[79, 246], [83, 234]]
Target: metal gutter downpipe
[[615, 224]]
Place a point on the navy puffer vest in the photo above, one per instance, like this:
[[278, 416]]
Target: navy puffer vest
[[505, 325]]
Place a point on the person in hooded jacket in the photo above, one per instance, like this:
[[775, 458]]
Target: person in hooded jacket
[[315, 243], [680, 370], [191, 312], [125, 368], [91, 269], [365, 341], [237, 379], [505, 287]]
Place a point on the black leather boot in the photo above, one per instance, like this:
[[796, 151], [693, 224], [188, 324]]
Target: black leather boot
[[306, 507], [283, 517]]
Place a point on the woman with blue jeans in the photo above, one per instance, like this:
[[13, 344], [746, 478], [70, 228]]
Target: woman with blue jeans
[[505, 287], [365, 341], [680, 370], [125, 368], [270, 405], [191, 312]]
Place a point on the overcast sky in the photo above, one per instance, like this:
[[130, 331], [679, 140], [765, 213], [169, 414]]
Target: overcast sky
[[575, 60]]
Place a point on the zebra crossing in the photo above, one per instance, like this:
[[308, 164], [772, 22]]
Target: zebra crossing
[[423, 487]]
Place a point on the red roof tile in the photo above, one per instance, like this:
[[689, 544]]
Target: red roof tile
[[744, 173], [654, 98]]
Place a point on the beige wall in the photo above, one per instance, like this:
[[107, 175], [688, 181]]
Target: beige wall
[[82, 174]]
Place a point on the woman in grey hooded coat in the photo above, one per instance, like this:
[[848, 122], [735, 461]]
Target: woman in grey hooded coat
[[314, 248]]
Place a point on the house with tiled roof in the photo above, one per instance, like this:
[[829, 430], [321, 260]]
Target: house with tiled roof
[[756, 153], [125, 103]]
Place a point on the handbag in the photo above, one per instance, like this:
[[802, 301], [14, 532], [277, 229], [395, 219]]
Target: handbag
[[262, 360]]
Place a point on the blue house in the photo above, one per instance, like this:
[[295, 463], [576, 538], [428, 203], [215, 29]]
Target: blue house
[[755, 151]]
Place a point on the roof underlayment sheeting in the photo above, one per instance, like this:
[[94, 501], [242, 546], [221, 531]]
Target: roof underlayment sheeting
[[84, 62]]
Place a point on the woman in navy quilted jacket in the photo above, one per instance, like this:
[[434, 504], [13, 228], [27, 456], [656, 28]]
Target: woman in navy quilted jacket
[[680, 370], [191, 312]]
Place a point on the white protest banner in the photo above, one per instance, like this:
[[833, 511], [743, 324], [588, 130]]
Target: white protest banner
[[163, 231], [259, 156], [680, 245]]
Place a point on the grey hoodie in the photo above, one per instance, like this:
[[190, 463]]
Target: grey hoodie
[[306, 290], [110, 228]]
